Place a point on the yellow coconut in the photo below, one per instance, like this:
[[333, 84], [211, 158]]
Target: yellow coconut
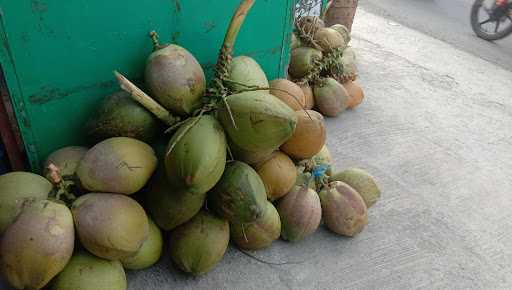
[[278, 175], [308, 96], [355, 93], [309, 136], [288, 92]]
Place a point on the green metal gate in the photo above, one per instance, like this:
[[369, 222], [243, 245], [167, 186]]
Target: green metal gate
[[58, 56]]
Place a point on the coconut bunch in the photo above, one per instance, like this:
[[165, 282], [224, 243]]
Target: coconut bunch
[[78, 227], [323, 64]]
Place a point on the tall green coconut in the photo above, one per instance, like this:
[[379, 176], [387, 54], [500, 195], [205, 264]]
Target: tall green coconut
[[38, 245], [245, 73], [120, 116], [16, 189], [196, 155], [198, 245], [175, 78], [168, 206], [257, 121], [240, 194]]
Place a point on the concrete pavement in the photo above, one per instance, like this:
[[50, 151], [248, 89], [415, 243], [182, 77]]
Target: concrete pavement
[[436, 131]]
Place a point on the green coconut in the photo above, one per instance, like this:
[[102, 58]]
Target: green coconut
[[199, 244], [348, 62], [168, 206], [295, 41], [175, 78], [150, 251], [258, 234], [87, 272], [249, 157], [120, 116], [117, 165], [66, 159], [343, 30], [111, 226], [240, 194], [300, 211], [278, 174], [329, 39], [17, 188], [38, 245], [263, 122], [331, 98], [324, 157], [362, 182], [197, 160], [302, 61], [343, 209], [244, 73]]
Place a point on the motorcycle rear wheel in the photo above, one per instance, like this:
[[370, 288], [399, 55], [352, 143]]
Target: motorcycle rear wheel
[[476, 23]]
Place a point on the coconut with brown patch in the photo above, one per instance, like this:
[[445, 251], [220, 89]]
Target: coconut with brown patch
[[258, 234], [38, 245], [111, 226], [117, 165], [309, 136], [300, 213], [175, 78], [362, 182], [331, 98], [344, 211]]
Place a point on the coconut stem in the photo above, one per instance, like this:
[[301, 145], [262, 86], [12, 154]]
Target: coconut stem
[[145, 100], [57, 180], [154, 40], [226, 51]]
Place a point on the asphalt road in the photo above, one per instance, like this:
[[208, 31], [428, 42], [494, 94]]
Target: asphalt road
[[447, 20]]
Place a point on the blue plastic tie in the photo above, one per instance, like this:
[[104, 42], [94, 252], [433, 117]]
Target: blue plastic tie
[[320, 170]]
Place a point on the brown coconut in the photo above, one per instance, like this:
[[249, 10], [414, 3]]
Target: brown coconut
[[308, 96], [300, 211], [310, 23], [329, 39], [278, 175], [288, 92], [343, 209], [355, 92], [331, 98], [309, 136]]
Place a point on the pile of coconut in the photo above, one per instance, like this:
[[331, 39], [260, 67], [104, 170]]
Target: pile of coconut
[[322, 64], [239, 159]]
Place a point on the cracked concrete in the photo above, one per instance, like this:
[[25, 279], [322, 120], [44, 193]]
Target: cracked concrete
[[436, 132]]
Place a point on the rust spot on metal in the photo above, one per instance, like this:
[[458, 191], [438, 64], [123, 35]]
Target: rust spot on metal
[[209, 26], [175, 36], [178, 5], [49, 94], [39, 6]]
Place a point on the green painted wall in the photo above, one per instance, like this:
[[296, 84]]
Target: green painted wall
[[58, 56]]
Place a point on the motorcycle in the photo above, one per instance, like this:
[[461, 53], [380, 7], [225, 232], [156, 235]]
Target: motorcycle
[[492, 19]]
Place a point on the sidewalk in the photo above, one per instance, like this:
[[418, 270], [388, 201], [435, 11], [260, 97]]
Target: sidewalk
[[436, 131]]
